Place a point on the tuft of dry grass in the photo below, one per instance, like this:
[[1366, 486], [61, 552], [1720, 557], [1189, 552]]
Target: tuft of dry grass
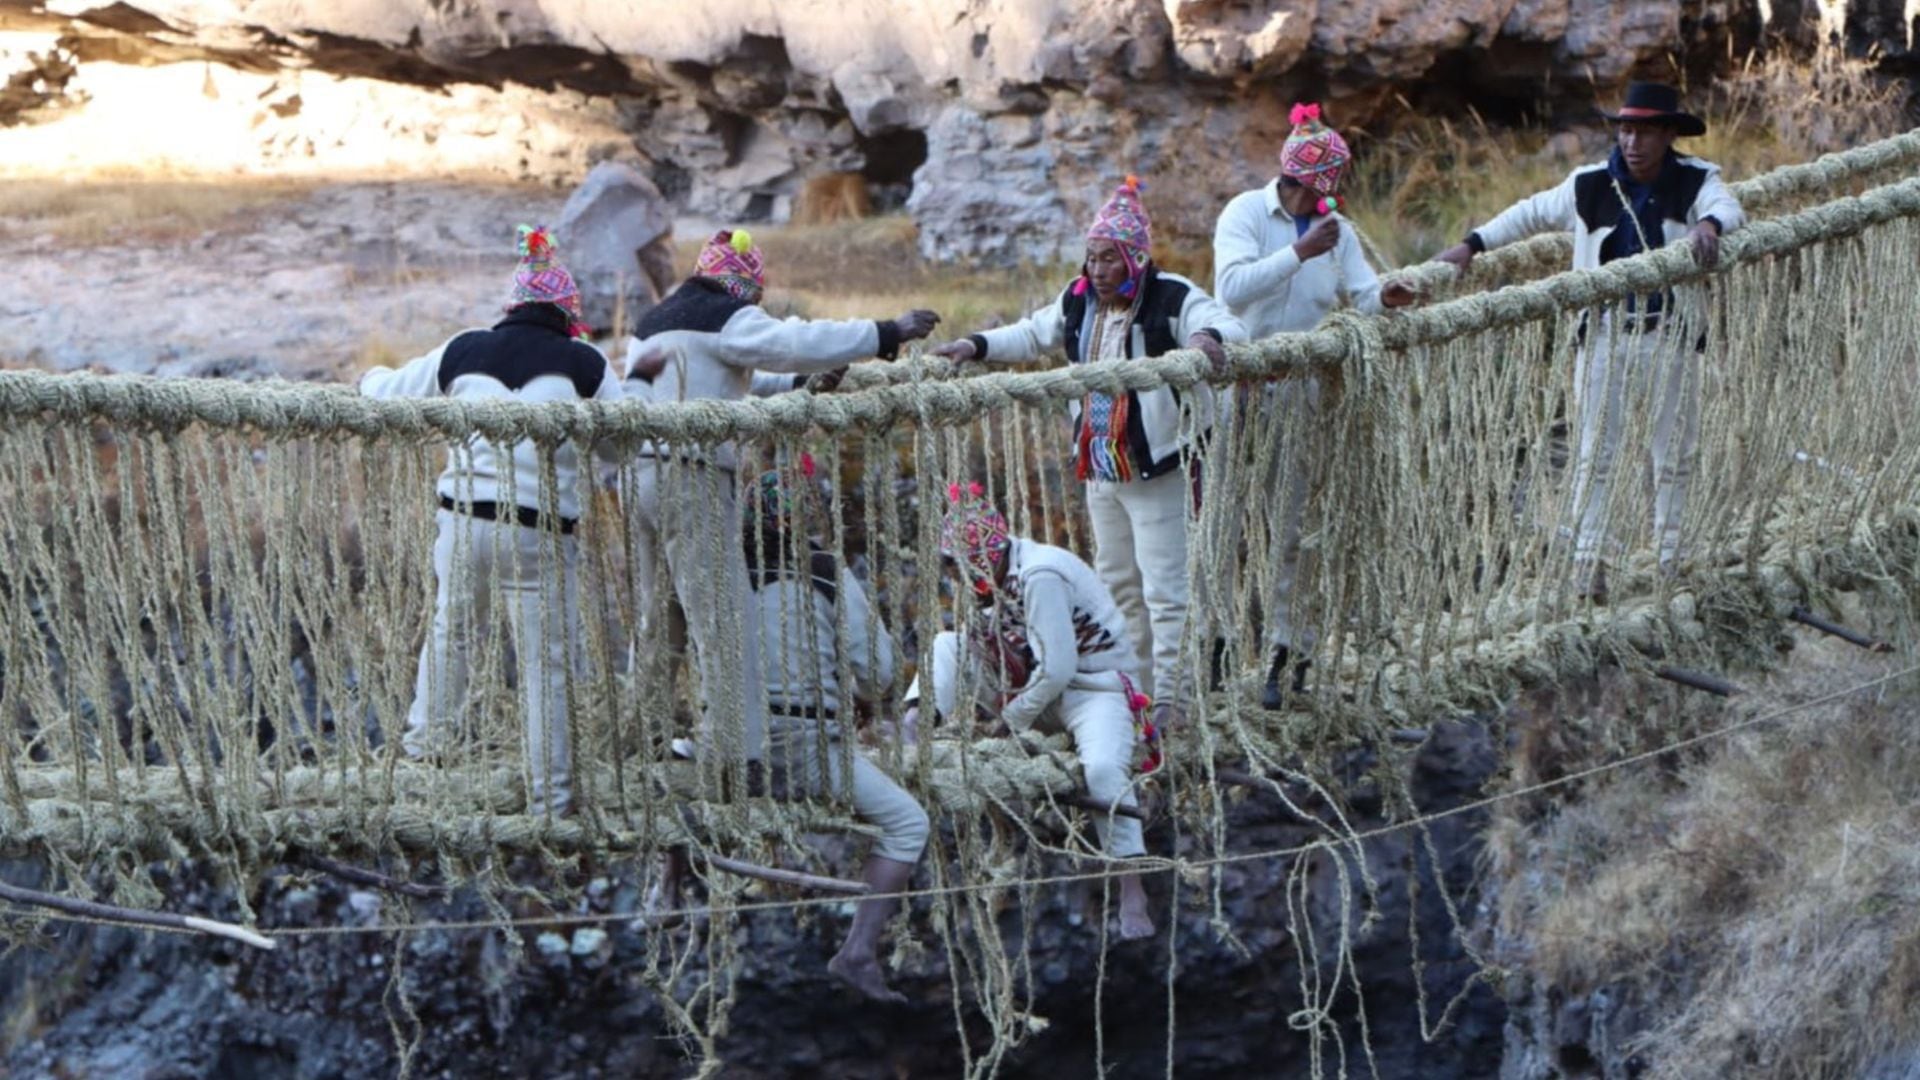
[[103, 212], [840, 196], [872, 269], [1763, 897]]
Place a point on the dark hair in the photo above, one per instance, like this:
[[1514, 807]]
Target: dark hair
[[1288, 181]]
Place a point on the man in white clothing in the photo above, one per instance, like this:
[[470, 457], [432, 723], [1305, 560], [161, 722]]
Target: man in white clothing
[[711, 340], [498, 538], [1643, 196], [815, 623], [1133, 450], [1283, 259], [1047, 636]]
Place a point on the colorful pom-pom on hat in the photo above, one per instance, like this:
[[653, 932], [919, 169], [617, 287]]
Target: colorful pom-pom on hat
[[780, 499]]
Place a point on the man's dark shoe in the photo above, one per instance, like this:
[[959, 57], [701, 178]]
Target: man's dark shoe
[[1272, 697]]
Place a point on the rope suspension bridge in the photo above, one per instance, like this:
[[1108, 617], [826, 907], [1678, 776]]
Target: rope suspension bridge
[[215, 593]]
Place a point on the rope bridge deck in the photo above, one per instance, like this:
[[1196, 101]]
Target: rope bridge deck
[[216, 593]]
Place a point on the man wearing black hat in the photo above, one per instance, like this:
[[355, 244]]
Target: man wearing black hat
[[1643, 196]]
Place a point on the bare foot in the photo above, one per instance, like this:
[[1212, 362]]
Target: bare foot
[[1135, 923], [863, 974], [662, 909]]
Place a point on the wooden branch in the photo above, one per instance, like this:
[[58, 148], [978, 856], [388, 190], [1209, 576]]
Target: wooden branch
[[373, 878], [87, 909], [789, 877], [1698, 680], [1240, 778], [1409, 736], [1807, 618], [1099, 806]]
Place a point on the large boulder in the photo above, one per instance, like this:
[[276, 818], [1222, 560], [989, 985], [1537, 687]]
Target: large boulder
[[616, 235]]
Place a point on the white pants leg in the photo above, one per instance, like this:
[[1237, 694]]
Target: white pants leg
[[1115, 561], [540, 589], [1676, 443], [1615, 373], [1600, 378], [1295, 402], [536, 573], [1102, 729], [817, 762], [691, 514], [1140, 544], [946, 675], [462, 604]]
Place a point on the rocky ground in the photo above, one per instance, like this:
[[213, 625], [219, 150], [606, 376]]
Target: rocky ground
[[310, 283], [87, 1002]]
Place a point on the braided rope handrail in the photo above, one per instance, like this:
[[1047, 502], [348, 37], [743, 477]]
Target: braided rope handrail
[[285, 408]]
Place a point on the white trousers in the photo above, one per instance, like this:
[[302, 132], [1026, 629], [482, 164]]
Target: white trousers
[[1617, 375], [687, 522], [473, 562], [1286, 414], [816, 762], [1093, 712], [1140, 552]]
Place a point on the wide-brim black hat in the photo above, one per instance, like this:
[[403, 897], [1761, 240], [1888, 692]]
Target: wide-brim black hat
[[1657, 103]]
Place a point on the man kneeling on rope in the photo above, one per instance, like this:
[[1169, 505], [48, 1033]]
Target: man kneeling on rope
[[1046, 626], [812, 615]]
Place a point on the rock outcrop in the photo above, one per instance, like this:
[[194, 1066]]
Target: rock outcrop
[[1011, 117], [617, 237]]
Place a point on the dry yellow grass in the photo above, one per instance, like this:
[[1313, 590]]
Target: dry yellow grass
[[111, 211], [873, 269], [1763, 896]]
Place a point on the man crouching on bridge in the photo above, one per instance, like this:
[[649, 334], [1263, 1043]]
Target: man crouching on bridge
[[1045, 632], [1643, 196]]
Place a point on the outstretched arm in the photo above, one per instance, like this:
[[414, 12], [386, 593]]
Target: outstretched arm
[[419, 377], [1017, 343], [1551, 210]]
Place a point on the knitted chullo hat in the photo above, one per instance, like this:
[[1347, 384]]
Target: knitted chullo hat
[[972, 531], [1123, 221], [779, 501], [540, 279], [1315, 155], [731, 259]]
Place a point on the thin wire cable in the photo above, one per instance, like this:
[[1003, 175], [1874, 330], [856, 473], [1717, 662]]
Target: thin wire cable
[[1148, 864]]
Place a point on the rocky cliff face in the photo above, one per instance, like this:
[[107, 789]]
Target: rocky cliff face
[[1006, 120]]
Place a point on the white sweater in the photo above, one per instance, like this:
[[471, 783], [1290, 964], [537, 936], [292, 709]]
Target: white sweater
[[1587, 203], [804, 636], [1262, 281], [494, 365], [1068, 620], [745, 353]]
